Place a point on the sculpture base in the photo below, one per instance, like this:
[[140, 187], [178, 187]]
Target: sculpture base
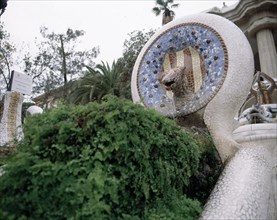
[[247, 186]]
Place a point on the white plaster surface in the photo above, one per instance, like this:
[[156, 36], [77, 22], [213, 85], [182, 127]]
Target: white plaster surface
[[8, 131], [255, 132], [243, 189], [221, 110], [247, 186]]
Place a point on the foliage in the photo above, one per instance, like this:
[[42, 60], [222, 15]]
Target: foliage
[[164, 6], [58, 61], [179, 208], [113, 160], [98, 82], [209, 169], [131, 49], [7, 49], [3, 5]]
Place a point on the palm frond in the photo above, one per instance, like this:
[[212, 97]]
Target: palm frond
[[175, 6], [99, 81], [156, 11], [92, 71], [160, 2]]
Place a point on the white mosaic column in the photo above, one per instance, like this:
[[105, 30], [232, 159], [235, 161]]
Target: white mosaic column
[[267, 52], [10, 125], [246, 188]]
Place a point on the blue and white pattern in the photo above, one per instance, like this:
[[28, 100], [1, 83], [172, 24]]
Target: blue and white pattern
[[207, 42]]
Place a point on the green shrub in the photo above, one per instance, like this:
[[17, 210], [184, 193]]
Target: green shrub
[[113, 160], [179, 208], [209, 169]]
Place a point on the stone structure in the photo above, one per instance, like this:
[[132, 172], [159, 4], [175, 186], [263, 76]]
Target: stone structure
[[215, 70], [32, 110], [264, 88], [252, 173], [247, 186], [259, 114], [247, 189], [263, 110], [176, 80], [258, 20], [10, 121]]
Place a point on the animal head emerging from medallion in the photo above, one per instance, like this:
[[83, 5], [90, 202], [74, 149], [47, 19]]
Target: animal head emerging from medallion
[[175, 80]]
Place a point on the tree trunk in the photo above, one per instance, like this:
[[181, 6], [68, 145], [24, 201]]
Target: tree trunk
[[64, 70], [167, 19]]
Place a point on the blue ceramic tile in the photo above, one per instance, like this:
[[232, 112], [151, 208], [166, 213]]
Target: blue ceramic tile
[[179, 38]]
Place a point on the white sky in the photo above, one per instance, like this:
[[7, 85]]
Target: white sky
[[105, 22]]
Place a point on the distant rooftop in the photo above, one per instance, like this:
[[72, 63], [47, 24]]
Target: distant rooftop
[[217, 10]]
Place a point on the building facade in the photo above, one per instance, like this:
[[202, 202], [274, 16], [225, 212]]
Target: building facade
[[258, 20]]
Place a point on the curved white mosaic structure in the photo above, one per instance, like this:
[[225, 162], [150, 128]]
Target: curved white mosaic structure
[[213, 60], [185, 40], [10, 124], [247, 187], [172, 48], [220, 59]]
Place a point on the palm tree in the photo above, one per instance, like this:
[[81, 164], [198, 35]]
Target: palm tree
[[3, 5], [164, 6], [98, 82]]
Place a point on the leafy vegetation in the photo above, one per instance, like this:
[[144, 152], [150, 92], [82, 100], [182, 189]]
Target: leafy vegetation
[[98, 82], [113, 160], [58, 61], [111, 80], [3, 5], [131, 49], [109, 160], [209, 169], [179, 208]]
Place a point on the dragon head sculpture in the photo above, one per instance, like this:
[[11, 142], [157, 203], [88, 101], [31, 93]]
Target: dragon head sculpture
[[176, 80]]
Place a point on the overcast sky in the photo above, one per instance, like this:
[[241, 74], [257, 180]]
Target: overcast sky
[[106, 23]]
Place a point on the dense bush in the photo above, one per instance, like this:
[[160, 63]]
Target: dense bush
[[210, 167], [113, 160], [179, 208]]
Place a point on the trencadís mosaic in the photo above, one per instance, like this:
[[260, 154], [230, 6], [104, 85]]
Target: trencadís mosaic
[[208, 45]]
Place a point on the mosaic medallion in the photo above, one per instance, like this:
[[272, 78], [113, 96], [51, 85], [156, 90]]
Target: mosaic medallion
[[190, 55]]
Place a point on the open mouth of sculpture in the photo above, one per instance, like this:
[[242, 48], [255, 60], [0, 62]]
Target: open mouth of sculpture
[[168, 83]]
